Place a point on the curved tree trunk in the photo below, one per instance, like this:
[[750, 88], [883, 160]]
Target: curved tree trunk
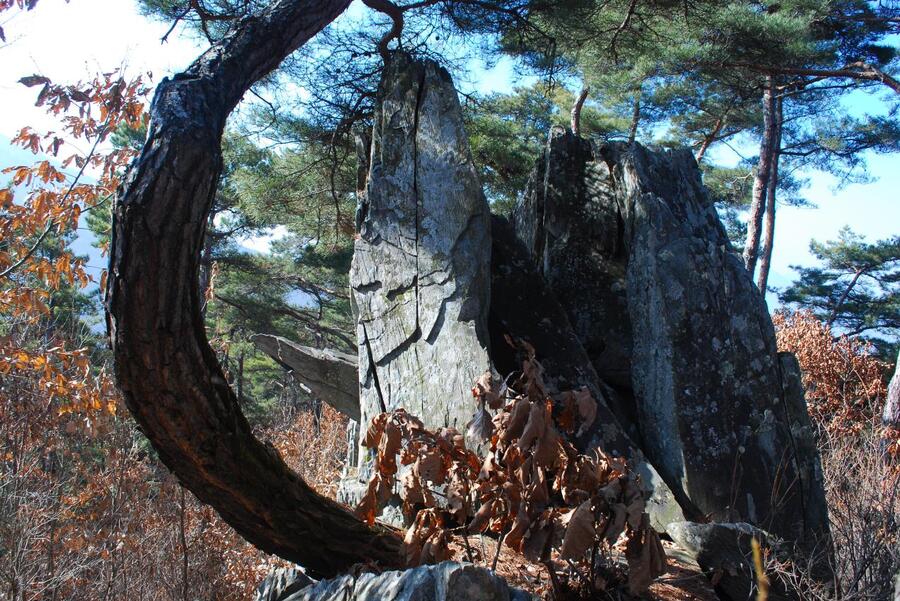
[[169, 375]]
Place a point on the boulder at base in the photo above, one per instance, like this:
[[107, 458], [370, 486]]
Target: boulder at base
[[447, 581]]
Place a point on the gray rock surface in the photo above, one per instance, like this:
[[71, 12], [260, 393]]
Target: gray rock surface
[[573, 231], [447, 581], [281, 583], [725, 555], [671, 304], [330, 375], [420, 276]]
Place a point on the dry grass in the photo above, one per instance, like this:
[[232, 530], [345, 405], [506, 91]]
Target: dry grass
[[313, 442]]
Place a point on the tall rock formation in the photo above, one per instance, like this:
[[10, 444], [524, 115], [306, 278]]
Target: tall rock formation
[[636, 254], [420, 279], [626, 284]]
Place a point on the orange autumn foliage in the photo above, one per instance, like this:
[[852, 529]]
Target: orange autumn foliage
[[845, 383]]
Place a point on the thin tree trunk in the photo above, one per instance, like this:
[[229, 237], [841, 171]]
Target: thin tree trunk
[[576, 111], [169, 376], [635, 118], [708, 140], [761, 181], [840, 302], [765, 260], [240, 377], [206, 262]]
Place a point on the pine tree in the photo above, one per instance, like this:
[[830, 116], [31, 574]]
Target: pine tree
[[857, 287]]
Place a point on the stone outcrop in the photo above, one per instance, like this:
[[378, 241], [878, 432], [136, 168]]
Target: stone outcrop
[[891, 415], [447, 581], [420, 277], [330, 375], [634, 250], [724, 553]]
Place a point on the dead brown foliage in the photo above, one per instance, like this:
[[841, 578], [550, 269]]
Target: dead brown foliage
[[532, 488], [844, 381], [845, 392]]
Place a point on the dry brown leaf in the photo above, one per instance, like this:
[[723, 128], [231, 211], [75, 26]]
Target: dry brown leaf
[[415, 540], [430, 466], [487, 391], [488, 467], [587, 409], [645, 556], [537, 492], [633, 512], [520, 527], [388, 447], [480, 427], [414, 495], [580, 532], [377, 494], [534, 544], [373, 433], [518, 415], [450, 439], [612, 491], [547, 452], [482, 516], [535, 427], [512, 458], [436, 549], [513, 493], [458, 497], [616, 524]]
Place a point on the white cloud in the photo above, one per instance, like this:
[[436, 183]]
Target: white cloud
[[68, 42]]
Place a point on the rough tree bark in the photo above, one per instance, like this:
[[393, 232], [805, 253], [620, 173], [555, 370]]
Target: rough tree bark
[[761, 181], [765, 259], [169, 375]]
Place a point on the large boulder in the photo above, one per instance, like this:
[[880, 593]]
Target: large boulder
[[447, 581], [636, 254], [281, 583]]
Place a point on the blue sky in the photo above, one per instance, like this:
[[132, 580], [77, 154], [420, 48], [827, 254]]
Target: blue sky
[[57, 39]]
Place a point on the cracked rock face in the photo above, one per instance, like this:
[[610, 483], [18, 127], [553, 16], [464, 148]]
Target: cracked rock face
[[420, 277], [638, 258]]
